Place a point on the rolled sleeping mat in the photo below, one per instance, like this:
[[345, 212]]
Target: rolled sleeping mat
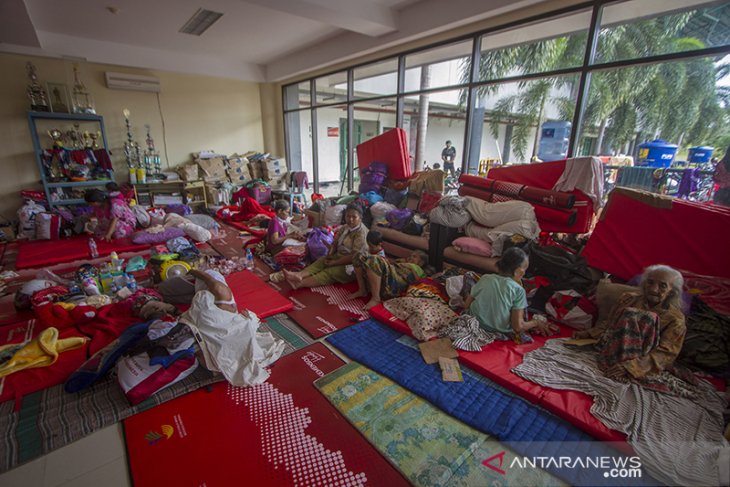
[[545, 197]]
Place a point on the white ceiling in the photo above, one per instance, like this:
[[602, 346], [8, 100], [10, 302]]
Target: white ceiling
[[256, 40]]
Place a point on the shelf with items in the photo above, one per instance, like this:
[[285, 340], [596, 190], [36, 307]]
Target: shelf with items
[[165, 193], [77, 156]]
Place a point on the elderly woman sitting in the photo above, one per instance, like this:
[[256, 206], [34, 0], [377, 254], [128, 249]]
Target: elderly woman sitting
[[645, 330], [348, 242]]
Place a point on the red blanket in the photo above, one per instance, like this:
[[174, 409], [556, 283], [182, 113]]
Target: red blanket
[[42, 253]]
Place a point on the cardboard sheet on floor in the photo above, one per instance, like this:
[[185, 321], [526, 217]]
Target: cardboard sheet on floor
[[282, 432], [638, 229], [496, 361], [42, 253]]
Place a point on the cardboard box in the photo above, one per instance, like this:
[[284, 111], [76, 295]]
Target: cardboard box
[[189, 172], [213, 169], [316, 219], [275, 165], [255, 170], [279, 183], [270, 174], [238, 170]]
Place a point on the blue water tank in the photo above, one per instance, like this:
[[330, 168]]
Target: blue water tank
[[700, 155], [554, 140], [657, 153]]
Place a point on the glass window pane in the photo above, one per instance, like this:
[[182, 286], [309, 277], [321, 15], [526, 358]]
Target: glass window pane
[[443, 66], [680, 102], [297, 96], [299, 140], [372, 118], [641, 28], [430, 120], [332, 149], [331, 88], [511, 114], [376, 79], [549, 45]]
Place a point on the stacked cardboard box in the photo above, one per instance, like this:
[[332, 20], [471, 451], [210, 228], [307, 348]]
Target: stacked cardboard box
[[238, 170], [213, 169], [273, 168]]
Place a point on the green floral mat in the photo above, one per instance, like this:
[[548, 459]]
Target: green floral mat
[[429, 447]]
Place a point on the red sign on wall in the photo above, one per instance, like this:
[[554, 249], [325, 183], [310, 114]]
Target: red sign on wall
[[333, 131]]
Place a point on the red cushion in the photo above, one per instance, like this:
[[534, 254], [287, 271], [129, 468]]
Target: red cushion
[[638, 229], [42, 253], [251, 293]]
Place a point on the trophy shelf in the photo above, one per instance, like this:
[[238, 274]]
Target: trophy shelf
[[38, 147]]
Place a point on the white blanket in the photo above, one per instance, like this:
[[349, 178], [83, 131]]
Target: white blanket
[[231, 342]]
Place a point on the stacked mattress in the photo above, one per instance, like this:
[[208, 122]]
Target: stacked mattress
[[391, 148]]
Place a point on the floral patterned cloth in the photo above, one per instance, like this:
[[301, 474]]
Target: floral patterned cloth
[[429, 447], [395, 276], [424, 316], [117, 208]]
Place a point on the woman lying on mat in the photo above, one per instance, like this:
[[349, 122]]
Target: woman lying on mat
[[115, 219], [350, 240], [384, 278], [651, 318], [498, 301], [281, 233]]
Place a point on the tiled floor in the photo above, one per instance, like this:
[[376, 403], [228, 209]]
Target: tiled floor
[[97, 460]]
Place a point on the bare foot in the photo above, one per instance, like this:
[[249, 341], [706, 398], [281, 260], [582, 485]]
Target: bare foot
[[371, 304], [292, 277], [358, 294]]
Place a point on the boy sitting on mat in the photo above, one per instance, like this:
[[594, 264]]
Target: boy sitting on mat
[[350, 240]]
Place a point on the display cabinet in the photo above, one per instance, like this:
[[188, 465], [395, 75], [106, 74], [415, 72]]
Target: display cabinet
[[69, 149]]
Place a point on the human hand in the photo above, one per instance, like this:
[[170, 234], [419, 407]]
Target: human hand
[[107, 238]]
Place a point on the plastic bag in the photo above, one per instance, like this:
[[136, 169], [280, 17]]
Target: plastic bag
[[26, 215], [399, 218], [319, 242]]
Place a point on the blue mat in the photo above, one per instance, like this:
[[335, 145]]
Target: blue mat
[[526, 428]]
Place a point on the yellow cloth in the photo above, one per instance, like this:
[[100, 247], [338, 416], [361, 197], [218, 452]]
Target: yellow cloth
[[42, 351]]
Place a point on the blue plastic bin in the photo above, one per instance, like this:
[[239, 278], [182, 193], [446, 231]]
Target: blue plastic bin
[[657, 153], [700, 155]]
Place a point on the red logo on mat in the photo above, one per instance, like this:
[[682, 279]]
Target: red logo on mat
[[488, 463]]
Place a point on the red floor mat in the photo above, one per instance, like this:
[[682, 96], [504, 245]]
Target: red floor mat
[[496, 361], [318, 317], [282, 432], [251, 293], [41, 253]]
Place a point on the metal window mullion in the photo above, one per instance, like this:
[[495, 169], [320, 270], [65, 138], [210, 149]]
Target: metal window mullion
[[399, 98], [476, 53], [315, 148], [585, 78], [287, 146], [350, 127]]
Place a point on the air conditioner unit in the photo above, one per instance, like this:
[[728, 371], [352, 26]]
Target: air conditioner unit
[[121, 81]]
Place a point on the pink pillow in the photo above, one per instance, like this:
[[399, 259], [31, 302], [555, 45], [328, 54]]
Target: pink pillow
[[471, 245]]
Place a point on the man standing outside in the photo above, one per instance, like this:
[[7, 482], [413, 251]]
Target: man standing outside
[[448, 155]]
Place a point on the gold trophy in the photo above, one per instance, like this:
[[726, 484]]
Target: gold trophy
[[82, 100], [36, 93], [57, 137]]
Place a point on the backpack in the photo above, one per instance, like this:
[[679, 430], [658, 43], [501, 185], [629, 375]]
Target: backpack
[[563, 269]]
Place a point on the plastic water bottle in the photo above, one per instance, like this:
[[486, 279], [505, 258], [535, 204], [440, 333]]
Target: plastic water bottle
[[93, 250], [249, 260], [116, 263], [131, 282]]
